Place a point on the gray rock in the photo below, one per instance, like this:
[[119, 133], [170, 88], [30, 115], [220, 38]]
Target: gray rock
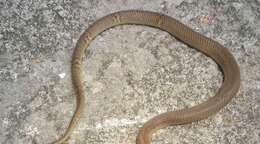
[[131, 73]]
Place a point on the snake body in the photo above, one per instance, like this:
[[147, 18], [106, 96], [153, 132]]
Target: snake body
[[209, 47]]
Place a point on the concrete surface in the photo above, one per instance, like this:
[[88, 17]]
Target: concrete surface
[[132, 73]]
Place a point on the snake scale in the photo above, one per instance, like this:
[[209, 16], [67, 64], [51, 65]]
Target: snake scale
[[209, 47]]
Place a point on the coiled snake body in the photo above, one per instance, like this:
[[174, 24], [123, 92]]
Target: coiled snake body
[[213, 49]]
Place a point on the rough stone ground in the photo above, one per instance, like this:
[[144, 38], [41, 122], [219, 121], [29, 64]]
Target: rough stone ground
[[132, 73]]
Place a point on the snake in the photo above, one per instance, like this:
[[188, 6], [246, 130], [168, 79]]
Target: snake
[[220, 55]]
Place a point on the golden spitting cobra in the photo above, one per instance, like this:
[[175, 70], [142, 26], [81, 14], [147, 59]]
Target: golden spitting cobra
[[209, 47]]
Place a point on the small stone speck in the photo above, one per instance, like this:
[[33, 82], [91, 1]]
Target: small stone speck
[[62, 75]]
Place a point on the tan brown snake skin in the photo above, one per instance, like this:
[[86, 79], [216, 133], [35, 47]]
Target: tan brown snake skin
[[209, 47]]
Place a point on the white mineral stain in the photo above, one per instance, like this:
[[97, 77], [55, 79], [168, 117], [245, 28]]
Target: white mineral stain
[[62, 75], [32, 131], [115, 122]]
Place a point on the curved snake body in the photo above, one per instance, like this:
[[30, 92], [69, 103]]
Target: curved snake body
[[209, 47]]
